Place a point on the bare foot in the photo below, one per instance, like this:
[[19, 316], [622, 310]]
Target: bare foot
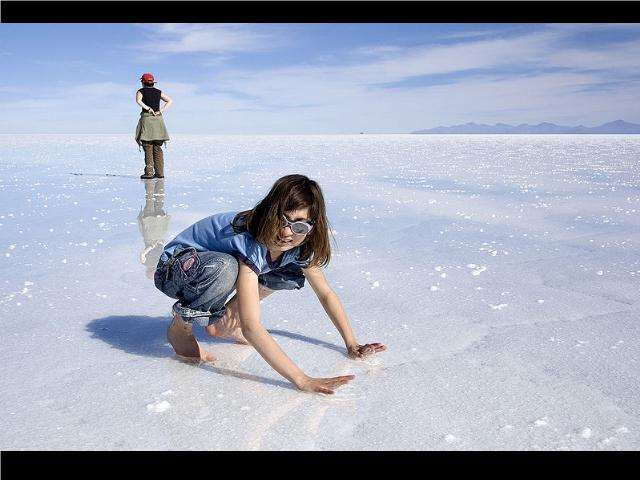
[[219, 330], [206, 356], [229, 325], [181, 338]]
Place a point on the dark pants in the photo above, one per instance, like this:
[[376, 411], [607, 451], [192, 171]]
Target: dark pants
[[153, 158]]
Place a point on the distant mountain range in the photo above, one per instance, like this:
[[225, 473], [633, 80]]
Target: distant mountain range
[[619, 126]]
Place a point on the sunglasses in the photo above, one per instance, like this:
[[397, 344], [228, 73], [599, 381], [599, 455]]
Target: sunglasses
[[298, 228]]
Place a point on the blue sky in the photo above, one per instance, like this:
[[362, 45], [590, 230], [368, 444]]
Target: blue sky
[[317, 78]]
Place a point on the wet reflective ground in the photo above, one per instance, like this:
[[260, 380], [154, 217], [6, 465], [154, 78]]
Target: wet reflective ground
[[501, 271]]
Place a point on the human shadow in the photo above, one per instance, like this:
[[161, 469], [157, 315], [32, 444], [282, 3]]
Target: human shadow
[[146, 336], [136, 334], [304, 338], [248, 376]]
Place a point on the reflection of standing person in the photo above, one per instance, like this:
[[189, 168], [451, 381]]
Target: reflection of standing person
[[153, 223], [151, 132]]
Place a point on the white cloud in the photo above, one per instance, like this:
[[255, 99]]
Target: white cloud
[[410, 62], [454, 58], [322, 96], [79, 96], [377, 50], [621, 56], [350, 93], [205, 38], [14, 89], [591, 27]]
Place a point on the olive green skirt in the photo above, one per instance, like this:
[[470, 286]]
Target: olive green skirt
[[151, 127]]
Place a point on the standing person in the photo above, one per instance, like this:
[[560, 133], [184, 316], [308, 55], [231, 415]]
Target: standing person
[[151, 132], [275, 246]]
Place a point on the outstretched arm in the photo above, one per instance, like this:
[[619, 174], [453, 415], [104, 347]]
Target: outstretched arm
[[267, 347], [331, 304]]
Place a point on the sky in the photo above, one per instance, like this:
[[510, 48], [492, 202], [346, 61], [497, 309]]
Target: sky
[[317, 78]]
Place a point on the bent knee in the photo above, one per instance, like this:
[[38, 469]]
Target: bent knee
[[228, 268]]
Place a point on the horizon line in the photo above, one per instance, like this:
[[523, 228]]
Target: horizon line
[[314, 134]]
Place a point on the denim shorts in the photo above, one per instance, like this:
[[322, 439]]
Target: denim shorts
[[202, 282]]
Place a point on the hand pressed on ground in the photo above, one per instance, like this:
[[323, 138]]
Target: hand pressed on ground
[[324, 385], [361, 351]]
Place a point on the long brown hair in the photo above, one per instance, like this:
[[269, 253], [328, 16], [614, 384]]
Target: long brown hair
[[291, 192]]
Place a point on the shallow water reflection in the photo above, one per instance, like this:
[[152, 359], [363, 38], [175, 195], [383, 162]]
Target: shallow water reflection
[[153, 223]]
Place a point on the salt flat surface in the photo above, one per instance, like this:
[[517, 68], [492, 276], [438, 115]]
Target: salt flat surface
[[502, 272]]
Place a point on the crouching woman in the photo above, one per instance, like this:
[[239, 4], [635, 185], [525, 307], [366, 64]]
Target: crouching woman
[[276, 245]]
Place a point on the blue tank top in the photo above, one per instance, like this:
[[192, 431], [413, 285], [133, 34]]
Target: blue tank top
[[216, 234]]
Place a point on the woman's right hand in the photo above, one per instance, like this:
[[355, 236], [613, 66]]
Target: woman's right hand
[[324, 385]]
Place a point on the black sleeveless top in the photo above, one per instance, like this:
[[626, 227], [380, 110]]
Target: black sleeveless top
[[151, 97]]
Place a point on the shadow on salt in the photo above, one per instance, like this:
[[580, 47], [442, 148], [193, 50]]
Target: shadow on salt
[[146, 336]]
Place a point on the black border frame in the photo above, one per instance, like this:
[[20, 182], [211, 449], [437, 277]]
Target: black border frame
[[506, 464], [315, 11], [23, 464]]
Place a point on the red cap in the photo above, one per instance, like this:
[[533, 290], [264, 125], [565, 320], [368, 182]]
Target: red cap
[[147, 78]]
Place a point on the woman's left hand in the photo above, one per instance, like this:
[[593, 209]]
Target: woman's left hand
[[361, 351]]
